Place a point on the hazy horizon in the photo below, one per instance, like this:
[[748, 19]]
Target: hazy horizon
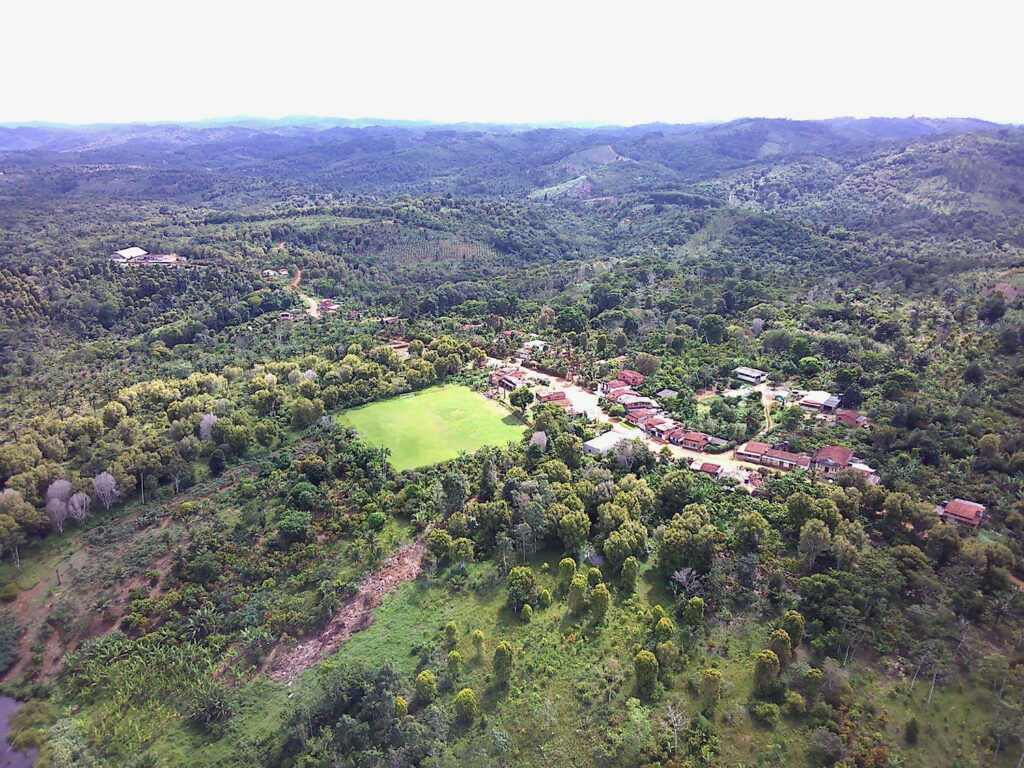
[[455, 62]]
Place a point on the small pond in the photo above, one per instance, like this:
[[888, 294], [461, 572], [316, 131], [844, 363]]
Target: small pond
[[8, 757]]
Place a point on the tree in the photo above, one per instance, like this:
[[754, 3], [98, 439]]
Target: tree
[[693, 613], [766, 673], [439, 543], [451, 633], [455, 489], [566, 570], [478, 642], [465, 705], [454, 664], [520, 586], [647, 364], [462, 551], [712, 328], [780, 644], [824, 748], [104, 487], [630, 572], [57, 496], [710, 689], [577, 597], [675, 492], [569, 449], [218, 462], [600, 599], [571, 319], [426, 687], [974, 373], [488, 479], [645, 665], [501, 665], [573, 529], [664, 629], [815, 540], [11, 538], [793, 623], [521, 398], [750, 530]]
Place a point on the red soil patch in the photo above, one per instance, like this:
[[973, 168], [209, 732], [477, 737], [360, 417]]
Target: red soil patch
[[354, 615]]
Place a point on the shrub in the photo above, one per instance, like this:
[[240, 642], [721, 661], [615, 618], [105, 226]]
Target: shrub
[[527, 613], [9, 593], [645, 664], [630, 571], [664, 629], [426, 687], [794, 705], [710, 688], [765, 713], [824, 747], [465, 705], [401, 707], [454, 664], [766, 673], [502, 663], [911, 731], [478, 642], [451, 633]]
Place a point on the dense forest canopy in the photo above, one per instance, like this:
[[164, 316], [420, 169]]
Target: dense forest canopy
[[203, 562]]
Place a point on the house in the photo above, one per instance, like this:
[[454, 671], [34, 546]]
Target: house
[[751, 375], [614, 395], [829, 459], [967, 513], [785, 460], [551, 396], [667, 393], [614, 384], [282, 272], [632, 402], [634, 416], [869, 474], [850, 419], [286, 316], [694, 441], [269, 273], [632, 378], [506, 378], [328, 305], [661, 428], [752, 451], [707, 467], [819, 400], [127, 254], [602, 443]]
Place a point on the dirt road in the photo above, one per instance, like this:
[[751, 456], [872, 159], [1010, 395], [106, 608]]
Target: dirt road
[[354, 615], [312, 305], [587, 403]]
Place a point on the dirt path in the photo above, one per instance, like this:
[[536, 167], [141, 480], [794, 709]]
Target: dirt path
[[312, 305], [354, 615]]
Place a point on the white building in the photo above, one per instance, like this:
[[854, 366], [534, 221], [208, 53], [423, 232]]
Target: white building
[[602, 443], [751, 375]]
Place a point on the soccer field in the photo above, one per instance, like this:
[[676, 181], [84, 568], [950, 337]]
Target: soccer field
[[433, 425]]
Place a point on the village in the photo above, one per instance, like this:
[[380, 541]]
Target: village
[[646, 421]]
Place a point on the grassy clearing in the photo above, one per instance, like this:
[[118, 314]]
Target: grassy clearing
[[433, 425]]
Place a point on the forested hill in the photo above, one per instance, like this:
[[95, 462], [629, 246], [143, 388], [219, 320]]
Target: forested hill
[[217, 458]]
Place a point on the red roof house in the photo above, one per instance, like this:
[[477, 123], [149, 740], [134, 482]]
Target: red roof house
[[829, 459], [963, 512], [633, 378], [849, 418]]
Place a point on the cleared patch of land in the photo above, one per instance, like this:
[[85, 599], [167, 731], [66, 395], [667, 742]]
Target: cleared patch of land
[[433, 425]]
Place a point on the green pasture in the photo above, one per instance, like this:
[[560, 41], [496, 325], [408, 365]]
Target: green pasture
[[433, 425]]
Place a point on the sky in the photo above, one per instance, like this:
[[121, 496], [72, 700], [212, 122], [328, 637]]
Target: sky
[[513, 62]]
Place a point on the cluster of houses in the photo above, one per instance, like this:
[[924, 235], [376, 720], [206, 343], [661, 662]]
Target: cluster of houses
[[329, 306], [136, 257], [645, 413], [272, 273], [827, 460]]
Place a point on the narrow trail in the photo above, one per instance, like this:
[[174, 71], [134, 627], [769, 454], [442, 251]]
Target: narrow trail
[[312, 305], [353, 615]]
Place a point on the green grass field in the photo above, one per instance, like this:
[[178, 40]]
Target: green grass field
[[433, 425]]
